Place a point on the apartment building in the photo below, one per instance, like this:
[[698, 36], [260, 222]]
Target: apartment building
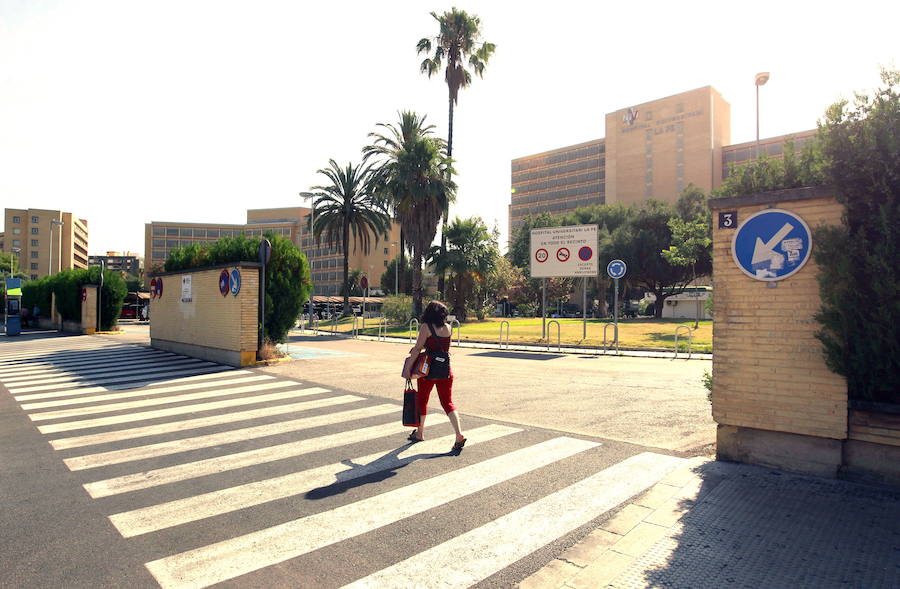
[[45, 241], [651, 150], [325, 257], [124, 262]]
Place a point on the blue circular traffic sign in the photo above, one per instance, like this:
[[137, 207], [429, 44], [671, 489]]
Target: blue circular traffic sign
[[616, 269], [235, 281], [771, 245]]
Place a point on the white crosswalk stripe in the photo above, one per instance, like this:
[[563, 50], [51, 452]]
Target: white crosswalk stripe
[[191, 447]]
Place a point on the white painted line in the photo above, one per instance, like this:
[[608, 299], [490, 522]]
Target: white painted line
[[199, 468], [80, 373], [69, 382], [145, 392], [162, 400], [93, 362], [176, 426], [181, 511], [228, 559], [105, 382], [476, 555], [65, 355], [228, 437], [179, 410], [150, 385]]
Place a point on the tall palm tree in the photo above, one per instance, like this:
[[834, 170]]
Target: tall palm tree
[[471, 256], [347, 208], [458, 42], [415, 178]]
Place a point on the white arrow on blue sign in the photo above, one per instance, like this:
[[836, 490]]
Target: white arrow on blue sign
[[616, 269], [771, 245]]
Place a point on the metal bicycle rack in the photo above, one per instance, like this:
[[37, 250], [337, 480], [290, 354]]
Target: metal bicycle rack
[[382, 332], [690, 333], [558, 335], [500, 342], [314, 322], [411, 322], [355, 331], [458, 329], [615, 335]]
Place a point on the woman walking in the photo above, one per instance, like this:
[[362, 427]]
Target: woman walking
[[434, 335]]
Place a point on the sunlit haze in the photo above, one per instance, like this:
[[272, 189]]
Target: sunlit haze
[[124, 112]]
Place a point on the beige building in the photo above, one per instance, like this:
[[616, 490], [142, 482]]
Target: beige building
[[652, 150], [45, 241], [325, 257]]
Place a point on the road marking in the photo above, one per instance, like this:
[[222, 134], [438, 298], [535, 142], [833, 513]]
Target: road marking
[[228, 559], [228, 437], [149, 385], [94, 361], [199, 468], [107, 369], [201, 368], [83, 354], [161, 400], [145, 392], [181, 511], [131, 417], [476, 555]]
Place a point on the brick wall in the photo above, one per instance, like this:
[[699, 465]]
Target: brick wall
[[210, 322], [768, 368]]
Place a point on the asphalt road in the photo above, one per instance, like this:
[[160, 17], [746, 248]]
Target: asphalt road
[[113, 474]]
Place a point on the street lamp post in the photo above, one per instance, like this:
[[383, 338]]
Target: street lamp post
[[396, 271], [16, 251], [50, 261], [312, 223], [761, 79]]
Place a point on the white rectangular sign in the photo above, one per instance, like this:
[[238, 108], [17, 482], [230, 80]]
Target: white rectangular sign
[[564, 251], [186, 293]]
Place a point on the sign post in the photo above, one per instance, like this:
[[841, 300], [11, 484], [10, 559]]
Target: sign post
[[553, 254], [100, 300], [616, 270], [364, 283], [264, 253]]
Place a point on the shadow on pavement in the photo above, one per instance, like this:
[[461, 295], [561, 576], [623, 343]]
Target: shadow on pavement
[[520, 355], [748, 526]]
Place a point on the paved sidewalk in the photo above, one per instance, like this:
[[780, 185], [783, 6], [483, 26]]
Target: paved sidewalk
[[715, 524]]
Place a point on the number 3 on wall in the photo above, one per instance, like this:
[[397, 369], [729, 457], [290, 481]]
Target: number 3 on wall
[[728, 220]]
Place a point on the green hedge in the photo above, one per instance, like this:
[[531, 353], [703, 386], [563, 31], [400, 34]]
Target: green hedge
[[66, 285]]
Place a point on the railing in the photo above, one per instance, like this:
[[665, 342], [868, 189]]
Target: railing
[[458, 329], [615, 327], [314, 322], [355, 330], [558, 335], [690, 333], [500, 342], [382, 332], [411, 322]]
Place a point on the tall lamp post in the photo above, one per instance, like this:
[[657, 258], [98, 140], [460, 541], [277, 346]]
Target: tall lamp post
[[312, 223], [396, 270], [761, 79], [16, 251], [50, 261]]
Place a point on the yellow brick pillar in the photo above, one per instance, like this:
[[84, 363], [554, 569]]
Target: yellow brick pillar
[[88, 309], [775, 400]]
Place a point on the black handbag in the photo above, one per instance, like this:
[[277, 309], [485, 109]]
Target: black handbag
[[410, 406]]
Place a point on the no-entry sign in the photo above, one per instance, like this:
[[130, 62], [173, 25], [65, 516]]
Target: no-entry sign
[[562, 242]]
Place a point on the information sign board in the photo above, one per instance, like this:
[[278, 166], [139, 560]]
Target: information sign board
[[552, 251], [186, 290]]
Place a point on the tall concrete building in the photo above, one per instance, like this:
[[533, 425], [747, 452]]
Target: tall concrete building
[[45, 241], [124, 262], [651, 150], [325, 257]]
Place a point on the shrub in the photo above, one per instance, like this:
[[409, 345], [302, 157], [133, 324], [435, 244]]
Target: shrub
[[527, 309], [66, 285], [397, 309]]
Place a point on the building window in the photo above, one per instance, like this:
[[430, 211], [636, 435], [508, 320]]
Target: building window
[[172, 231], [186, 233], [385, 263], [159, 231], [34, 266], [34, 254], [159, 243], [679, 108], [648, 116], [159, 255], [35, 219], [17, 243], [385, 251], [34, 276], [17, 219], [34, 243], [35, 230], [17, 231]]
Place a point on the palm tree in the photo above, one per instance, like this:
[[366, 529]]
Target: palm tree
[[471, 256], [458, 40], [415, 179], [347, 207]]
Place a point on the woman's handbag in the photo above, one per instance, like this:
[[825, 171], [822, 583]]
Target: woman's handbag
[[410, 406], [417, 367]]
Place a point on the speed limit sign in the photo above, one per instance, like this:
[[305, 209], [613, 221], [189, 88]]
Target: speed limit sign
[[541, 255]]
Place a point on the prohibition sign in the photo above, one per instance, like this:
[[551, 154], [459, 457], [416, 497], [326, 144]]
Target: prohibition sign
[[562, 254], [541, 255], [585, 253]]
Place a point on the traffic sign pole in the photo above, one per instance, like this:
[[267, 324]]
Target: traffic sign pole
[[616, 313], [543, 308], [584, 309]]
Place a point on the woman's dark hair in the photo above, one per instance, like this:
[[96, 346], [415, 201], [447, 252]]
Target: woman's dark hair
[[435, 313]]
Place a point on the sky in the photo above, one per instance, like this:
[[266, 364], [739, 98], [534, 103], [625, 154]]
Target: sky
[[126, 112]]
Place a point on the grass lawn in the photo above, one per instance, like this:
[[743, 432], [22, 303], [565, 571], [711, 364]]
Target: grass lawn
[[633, 333]]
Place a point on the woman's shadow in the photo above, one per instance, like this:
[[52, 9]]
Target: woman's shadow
[[380, 469]]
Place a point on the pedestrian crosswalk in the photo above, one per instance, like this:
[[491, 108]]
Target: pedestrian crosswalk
[[218, 474]]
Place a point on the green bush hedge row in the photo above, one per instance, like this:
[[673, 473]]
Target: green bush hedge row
[[66, 285]]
